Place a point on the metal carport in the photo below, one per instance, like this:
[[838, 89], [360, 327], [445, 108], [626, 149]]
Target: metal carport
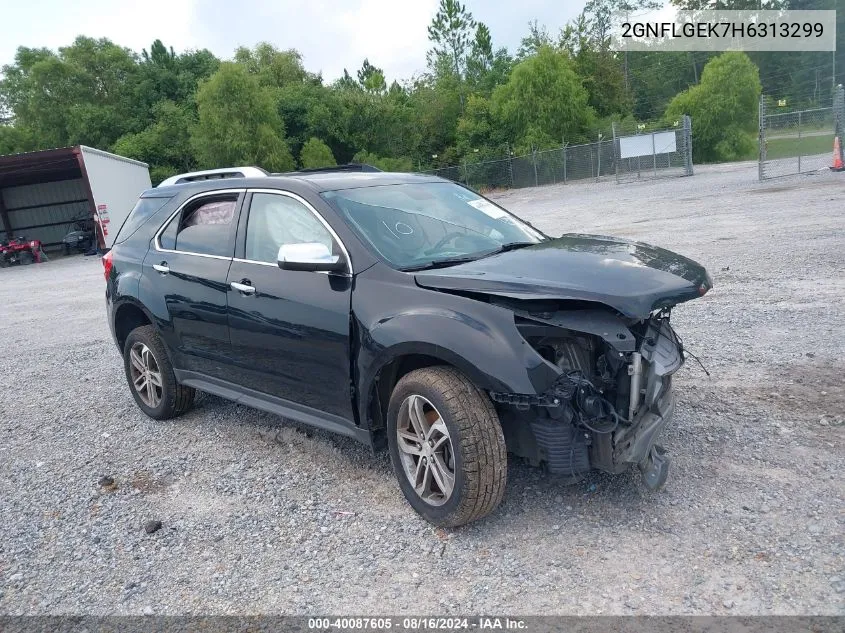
[[42, 193]]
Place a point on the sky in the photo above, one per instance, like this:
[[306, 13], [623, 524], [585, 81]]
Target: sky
[[331, 34]]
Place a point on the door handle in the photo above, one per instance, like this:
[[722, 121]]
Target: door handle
[[163, 268], [243, 287]]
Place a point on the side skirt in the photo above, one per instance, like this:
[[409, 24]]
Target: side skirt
[[272, 404]]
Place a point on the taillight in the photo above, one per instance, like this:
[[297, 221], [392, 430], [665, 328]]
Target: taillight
[[107, 264]]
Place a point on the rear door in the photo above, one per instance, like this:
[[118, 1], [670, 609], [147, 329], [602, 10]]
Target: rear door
[[289, 329], [188, 267]]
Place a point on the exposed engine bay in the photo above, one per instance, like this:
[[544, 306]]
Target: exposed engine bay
[[610, 401]]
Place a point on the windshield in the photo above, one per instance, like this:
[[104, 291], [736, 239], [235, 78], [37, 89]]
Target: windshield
[[416, 225]]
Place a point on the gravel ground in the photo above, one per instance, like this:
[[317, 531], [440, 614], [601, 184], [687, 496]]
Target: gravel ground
[[259, 516]]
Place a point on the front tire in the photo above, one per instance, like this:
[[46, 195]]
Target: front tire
[[446, 446], [151, 378]]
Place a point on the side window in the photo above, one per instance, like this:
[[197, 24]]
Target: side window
[[144, 209], [275, 220], [203, 227], [168, 238]]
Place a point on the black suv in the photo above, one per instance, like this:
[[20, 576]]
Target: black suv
[[402, 310]]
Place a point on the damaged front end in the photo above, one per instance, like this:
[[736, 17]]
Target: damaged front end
[[610, 401]]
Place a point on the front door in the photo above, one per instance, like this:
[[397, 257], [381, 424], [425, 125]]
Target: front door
[[289, 329]]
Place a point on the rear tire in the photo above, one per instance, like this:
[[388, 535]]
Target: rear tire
[[472, 462], [26, 258], [151, 378]]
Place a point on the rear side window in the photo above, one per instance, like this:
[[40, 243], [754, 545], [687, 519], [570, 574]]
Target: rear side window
[[144, 209], [204, 227]]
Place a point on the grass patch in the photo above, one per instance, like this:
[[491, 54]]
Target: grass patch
[[787, 147]]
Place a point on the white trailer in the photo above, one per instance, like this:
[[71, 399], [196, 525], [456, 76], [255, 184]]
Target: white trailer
[[115, 183], [44, 194]]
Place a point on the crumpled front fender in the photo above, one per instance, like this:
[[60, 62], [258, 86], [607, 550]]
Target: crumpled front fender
[[491, 352], [479, 339]]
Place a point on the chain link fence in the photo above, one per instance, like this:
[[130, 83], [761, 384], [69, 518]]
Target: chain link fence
[[798, 141], [602, 159], [644, 154]]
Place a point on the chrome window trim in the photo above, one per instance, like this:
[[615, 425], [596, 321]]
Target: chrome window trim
[[276, 265], [309, 206], [252, 261], [163, 228]]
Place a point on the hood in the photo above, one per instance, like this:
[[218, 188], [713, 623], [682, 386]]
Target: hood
[[630, 277]]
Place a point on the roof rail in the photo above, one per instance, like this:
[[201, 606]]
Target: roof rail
[[347, 167], [212, 174]]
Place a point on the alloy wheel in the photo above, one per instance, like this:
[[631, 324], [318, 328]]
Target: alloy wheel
[[425, 449], [145, 374]]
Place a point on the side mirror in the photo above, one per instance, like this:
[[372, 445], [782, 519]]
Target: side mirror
[[311, 256]]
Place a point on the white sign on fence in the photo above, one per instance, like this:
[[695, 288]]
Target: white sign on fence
[[647, 144]]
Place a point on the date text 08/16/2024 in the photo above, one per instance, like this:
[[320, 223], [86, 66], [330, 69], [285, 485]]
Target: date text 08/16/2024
[[417, 624]]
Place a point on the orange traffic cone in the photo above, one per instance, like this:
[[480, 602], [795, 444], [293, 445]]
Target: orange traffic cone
[[837, 156]]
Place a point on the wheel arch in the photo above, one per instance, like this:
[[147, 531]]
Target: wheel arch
[[400, 361], [128, 316]]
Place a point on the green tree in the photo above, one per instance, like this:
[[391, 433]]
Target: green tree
[[383, 163], [450, 31], [599, 16], [478, 131], [486, 68], [538, 37], [11, 140], [600, 68], [159, 54], [371, 78], [273, 67], [370, 121], [543, 102], [83, 94], [315, 153], [605, 72], [165, 76], [656, 77], [165, 144], [346, 82], [311, 109], [239, 123], [804, 79], [723, 108], [481, 50], [434, 109]]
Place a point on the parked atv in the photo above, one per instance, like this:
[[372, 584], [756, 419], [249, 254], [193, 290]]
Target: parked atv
[[19, 250], [81, 238]]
